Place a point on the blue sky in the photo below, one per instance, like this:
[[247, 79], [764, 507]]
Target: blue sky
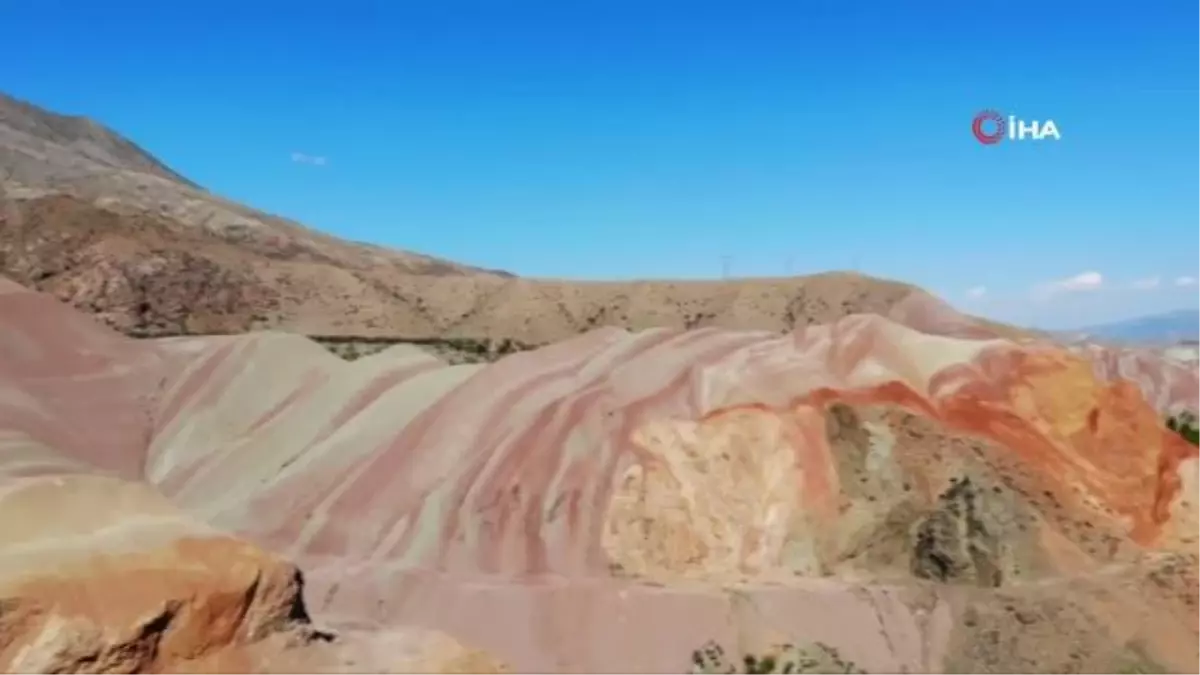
[[634, 139]]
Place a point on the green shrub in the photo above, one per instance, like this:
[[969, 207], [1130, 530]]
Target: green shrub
[[1185, 425]]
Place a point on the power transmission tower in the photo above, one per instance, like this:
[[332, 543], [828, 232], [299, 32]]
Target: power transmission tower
[[726, 263]]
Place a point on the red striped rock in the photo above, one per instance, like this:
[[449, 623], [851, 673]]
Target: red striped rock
[[915, 494]]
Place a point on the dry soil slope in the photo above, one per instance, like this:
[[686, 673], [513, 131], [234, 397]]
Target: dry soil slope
[[143, 274], [96, 221], [541, 311], [687, 459], [915, 500]]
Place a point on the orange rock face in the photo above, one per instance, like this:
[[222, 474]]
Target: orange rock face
[[896, 494]]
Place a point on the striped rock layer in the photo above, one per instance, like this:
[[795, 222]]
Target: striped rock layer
[[909, 496]]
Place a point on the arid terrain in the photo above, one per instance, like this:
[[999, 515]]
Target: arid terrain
[[830, 473], [93, 220], [608, 503]]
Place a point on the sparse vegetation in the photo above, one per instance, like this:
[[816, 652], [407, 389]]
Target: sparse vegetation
[[817, 657], [451, 350], [1185, 424]]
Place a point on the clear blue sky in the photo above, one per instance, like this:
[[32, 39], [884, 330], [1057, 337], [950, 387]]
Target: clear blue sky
[[622, 138]]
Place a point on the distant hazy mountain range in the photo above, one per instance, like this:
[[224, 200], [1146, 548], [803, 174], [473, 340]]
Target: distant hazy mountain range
[[1169, 327]]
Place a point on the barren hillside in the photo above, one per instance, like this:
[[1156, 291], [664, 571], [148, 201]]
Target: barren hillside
[[61, 176], [100, 224], [143, 273]]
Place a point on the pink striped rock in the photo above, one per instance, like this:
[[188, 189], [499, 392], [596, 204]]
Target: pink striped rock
[[907, 491]]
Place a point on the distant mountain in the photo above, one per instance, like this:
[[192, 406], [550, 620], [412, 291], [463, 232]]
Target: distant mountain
[[1168, 327], [42, 147]]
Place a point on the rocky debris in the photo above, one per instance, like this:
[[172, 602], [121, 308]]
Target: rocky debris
[[954, 544], [112, 578], [781, 658], [115, 580], [149, 612]]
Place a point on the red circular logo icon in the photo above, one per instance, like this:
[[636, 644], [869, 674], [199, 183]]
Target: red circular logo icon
[[982, 135]]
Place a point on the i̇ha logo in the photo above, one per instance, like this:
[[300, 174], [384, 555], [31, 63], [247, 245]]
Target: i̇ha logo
[[990, 127]]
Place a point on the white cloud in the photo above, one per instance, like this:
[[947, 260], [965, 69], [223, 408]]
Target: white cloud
[[314, 160], [1147, 284], [1185, 281], [1084, 281], [977, 292]]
